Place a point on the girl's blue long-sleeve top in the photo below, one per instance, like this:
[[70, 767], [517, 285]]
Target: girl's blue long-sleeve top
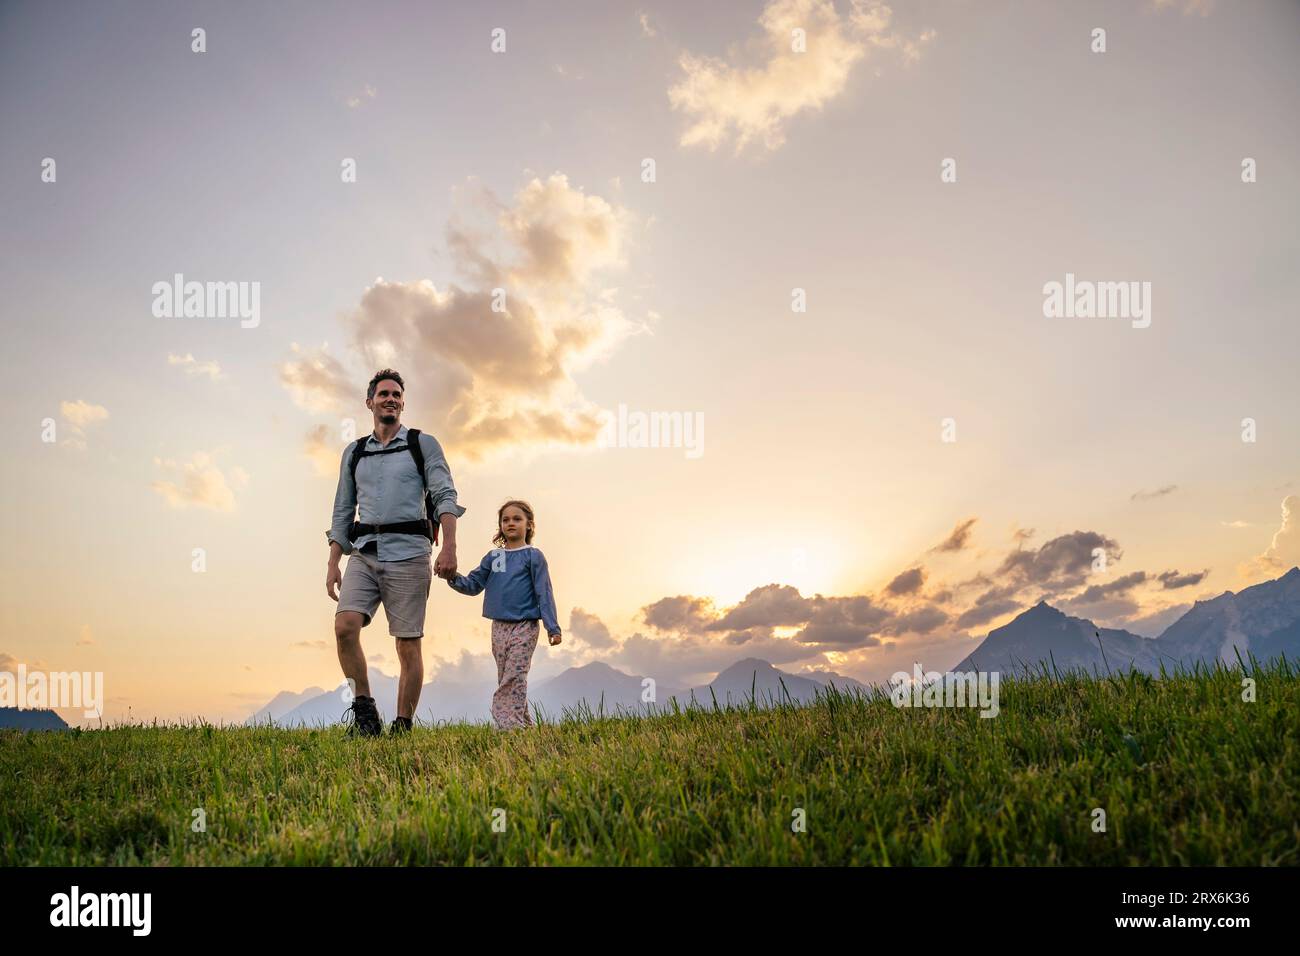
[[518, 586]]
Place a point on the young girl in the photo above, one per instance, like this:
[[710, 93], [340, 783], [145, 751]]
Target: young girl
[[518, 593]]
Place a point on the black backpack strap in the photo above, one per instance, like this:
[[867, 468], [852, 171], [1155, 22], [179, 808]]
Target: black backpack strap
[[413, 443], [358, 452]]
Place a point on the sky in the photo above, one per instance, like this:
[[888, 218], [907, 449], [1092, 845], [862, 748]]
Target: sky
[[823, 231]]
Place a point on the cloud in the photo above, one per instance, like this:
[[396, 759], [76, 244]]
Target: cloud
[[1062, 564], [466, 669], [1191, 8], [79, 416], [1283, 552], [826, 630], [989, 606], [199, 484], [646, 29], [1097, 592], [754, 103], [1110, 599], [87, 638], [1112, 612], [843, 622], [837, 621], [324, 453], [310, 645], [1172, 579], [492, 371], [193, 366], [693, 659], [959, 538], [1158, 493], [318, 382], [908, 582], [681, 613], [10, 664], [357, 99], [1061, 571], [773, 605], [693, 638], [590, 629], [922, 620]]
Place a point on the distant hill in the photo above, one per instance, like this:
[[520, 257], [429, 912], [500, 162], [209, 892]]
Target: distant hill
[[282, 703], [440, 701], [1262, 620], [13, 718], [596, 684], [841, 682], [329, 706], [1045, 635], [759, 679]]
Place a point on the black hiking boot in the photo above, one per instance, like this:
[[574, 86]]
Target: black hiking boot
[[400, 725], [365, 720]]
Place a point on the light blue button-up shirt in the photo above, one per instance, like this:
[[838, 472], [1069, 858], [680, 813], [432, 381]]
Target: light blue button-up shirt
[[388, 490]]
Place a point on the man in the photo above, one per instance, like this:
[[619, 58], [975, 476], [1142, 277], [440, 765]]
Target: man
[[389, 547]]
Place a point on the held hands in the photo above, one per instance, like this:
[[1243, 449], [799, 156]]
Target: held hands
[[554, 638], [445, 565]]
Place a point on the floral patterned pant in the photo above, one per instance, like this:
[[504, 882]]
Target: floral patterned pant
[[513, 643]]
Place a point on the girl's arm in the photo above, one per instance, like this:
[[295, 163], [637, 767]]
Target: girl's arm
[[475, 581], [542, 588]]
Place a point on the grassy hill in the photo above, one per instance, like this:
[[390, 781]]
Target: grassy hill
[[1186, 771]]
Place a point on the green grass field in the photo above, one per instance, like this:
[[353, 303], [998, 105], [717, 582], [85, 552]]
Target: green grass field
[[1186, 771]]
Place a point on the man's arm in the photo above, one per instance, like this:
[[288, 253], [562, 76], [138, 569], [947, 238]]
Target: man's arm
[[445, 564], [345, 505], [437, 478]]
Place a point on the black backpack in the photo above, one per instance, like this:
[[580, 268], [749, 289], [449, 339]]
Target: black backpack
[[428, 525]]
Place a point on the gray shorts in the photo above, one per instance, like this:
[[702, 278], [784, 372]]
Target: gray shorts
[[402, 586]]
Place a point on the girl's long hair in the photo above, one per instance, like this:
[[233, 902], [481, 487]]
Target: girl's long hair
[[499, 539]]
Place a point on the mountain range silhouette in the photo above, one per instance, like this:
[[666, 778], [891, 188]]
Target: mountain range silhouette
[[1262, 621]]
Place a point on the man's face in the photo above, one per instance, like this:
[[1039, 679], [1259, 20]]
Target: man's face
[[388, 402]]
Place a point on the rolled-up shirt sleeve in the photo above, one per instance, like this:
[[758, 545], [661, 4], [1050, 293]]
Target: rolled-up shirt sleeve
[[437, 477], [345, 503]]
